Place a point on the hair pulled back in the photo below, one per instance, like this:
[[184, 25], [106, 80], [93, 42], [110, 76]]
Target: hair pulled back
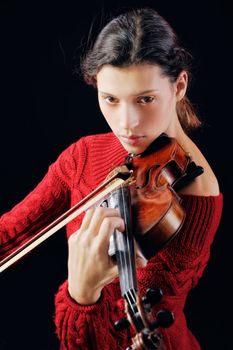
[[136, 37]]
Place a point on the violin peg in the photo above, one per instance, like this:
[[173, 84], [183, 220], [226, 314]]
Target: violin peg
[[164, 319], [121, 324], [153, 296]]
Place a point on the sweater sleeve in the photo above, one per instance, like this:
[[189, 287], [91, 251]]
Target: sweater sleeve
[[46, 202], [89, 326], [176, 269]]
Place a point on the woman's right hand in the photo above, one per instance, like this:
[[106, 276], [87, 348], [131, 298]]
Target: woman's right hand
[[90, 267]]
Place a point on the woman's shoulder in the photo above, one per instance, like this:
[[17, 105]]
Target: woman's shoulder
[[203, 185], [207, 183], [84, 143]]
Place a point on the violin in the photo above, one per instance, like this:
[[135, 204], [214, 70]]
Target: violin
[[153, 215], [144, 189]]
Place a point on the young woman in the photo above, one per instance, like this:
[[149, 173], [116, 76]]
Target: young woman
[[141, 74]]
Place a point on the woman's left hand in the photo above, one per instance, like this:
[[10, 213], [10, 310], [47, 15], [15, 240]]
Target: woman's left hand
[[90, 267]]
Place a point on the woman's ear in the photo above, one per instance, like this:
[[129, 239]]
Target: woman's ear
[[181, 85]]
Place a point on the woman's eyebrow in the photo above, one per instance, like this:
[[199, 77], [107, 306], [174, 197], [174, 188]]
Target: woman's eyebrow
[[145, 92], [136, 94]]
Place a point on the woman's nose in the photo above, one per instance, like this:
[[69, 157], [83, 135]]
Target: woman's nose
[[128, 118]]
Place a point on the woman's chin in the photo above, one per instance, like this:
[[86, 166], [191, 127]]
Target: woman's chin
[[135, 149]]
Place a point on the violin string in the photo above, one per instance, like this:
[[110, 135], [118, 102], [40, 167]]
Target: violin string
[[130, 291], [127, 257], [127, 254]]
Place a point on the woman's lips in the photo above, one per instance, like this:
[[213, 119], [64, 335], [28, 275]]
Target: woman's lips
[[132, 140]]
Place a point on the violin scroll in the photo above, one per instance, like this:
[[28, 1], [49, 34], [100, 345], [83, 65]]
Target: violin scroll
[[147, 336]]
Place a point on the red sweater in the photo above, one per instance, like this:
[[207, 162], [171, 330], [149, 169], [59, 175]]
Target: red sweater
[[176, 268]]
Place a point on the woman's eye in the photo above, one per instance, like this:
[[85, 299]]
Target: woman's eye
[[146, 99], [110, 99]]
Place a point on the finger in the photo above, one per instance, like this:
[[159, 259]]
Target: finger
[[87, 218], [140, 261], [98, 217], [84, 225], [108, 226]]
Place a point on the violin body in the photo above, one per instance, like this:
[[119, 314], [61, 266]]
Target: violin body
[[156, 207]]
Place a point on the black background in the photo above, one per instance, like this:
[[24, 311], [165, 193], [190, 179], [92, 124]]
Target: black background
[[44, 108]]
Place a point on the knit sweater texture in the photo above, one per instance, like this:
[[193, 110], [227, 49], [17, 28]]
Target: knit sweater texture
[[175, 269]]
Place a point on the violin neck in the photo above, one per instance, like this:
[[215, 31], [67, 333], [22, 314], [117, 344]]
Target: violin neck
[[122, 244]]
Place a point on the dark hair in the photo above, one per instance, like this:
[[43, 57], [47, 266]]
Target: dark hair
[[141, 36]]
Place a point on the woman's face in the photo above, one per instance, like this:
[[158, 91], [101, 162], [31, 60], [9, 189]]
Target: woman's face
[[139, 103]]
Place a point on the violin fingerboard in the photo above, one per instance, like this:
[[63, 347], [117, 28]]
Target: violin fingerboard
[[121, 245]]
